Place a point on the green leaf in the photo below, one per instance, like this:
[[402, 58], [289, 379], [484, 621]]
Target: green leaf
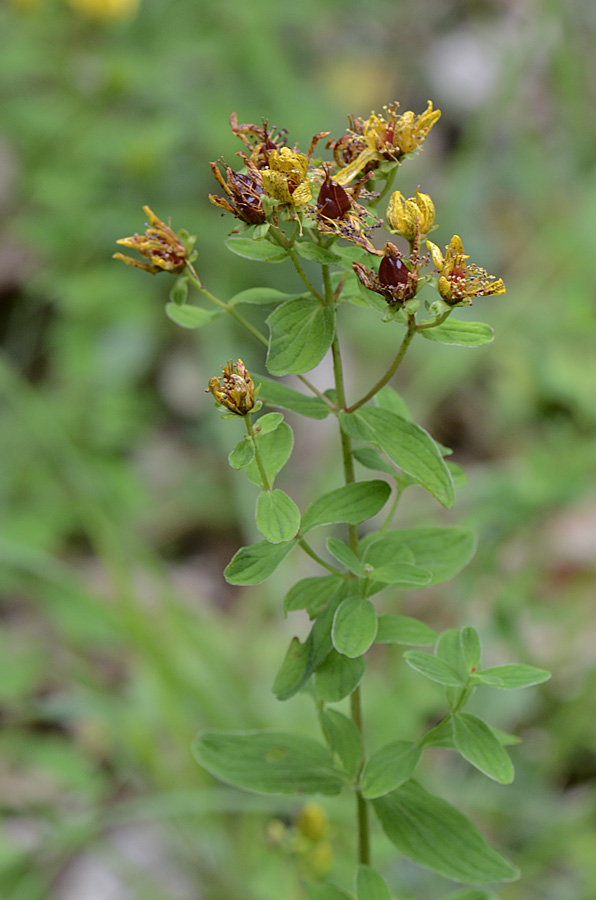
[[319, 891], [370, 885], [291, 675], [352, 503], [513, 676], [434, 834], [255, 563], [433, 668], [190, 316], [301, 334], [388, 768], [242, 454], [260, 251], [261, 296], [443, 551], [404, 630], [278, 517], [338, 676], [390, 400], [440, 736], [276, 394], [274, 449], [401, 573], [412, 449], [464, 334], [269, 762], [268, 423], [372, 459], [345, 556], [354, 627], [320, 255], [343, 738], [449, 649], [311, 594], [470, 646], [475, 741], [179, 291]]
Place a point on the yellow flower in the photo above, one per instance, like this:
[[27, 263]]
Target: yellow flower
[[460, 282], [159, 244], [285, 177], [313, 822], [387, 137], [236, 390], [411, 217], [105, 9]]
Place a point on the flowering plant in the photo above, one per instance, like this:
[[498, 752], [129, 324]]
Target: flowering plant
[[294, 206]]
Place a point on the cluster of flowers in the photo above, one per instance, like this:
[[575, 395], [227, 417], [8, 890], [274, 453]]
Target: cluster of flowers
[[278, 183]]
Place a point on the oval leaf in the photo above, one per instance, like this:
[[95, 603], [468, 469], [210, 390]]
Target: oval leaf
[[269, 762], [404, 630], [312, 594], [319, 891], [475, 741], [370, 885], [345, 555], [268, 423], [301, 334], [292, 672], [513, 676], [242, 454], [338, 675], [278, 517], [274, 449], [261, 251], [442, 551], [324, 257], [352, 503], [190, 316], [277, 394], [434, 834], [464, 334], [412, 449], [261, 296], [354, 627], [255, 563], [433, 668], [388, 768], [343, 738]]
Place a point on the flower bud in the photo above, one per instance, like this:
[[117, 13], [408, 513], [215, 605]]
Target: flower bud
[[411, 217], [236, 390]]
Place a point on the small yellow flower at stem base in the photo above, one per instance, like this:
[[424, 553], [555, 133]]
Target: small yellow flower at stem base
[[105, 10], [411, 217], [236, 390], [313, 822], [160, 245], [460, 282]]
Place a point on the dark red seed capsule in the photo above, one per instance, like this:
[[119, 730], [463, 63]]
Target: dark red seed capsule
[[334, 201], [393, 271]]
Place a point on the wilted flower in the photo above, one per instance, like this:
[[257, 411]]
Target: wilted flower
[[339, 214], [382, 138], [394, 281], [244, 193], [459, 282], [259, 140], [159, 244], [411, 217], [285, 177], [236, 390]]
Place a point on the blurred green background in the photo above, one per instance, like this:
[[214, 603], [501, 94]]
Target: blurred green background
[[120, 638]]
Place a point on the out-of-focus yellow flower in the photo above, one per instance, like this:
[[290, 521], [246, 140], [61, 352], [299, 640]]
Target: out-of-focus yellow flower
[[460, 282], [159, 244], [320, 859], [284, 179], [236, 390], [105, 10], [411, 217], [313, 822], [387, 137]]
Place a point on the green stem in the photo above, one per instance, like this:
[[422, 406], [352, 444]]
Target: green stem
[[388, 185], [438, 321], [355, 700], [280, 238], [411, 331], [391, 512], [258, 460], [314, 555]]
